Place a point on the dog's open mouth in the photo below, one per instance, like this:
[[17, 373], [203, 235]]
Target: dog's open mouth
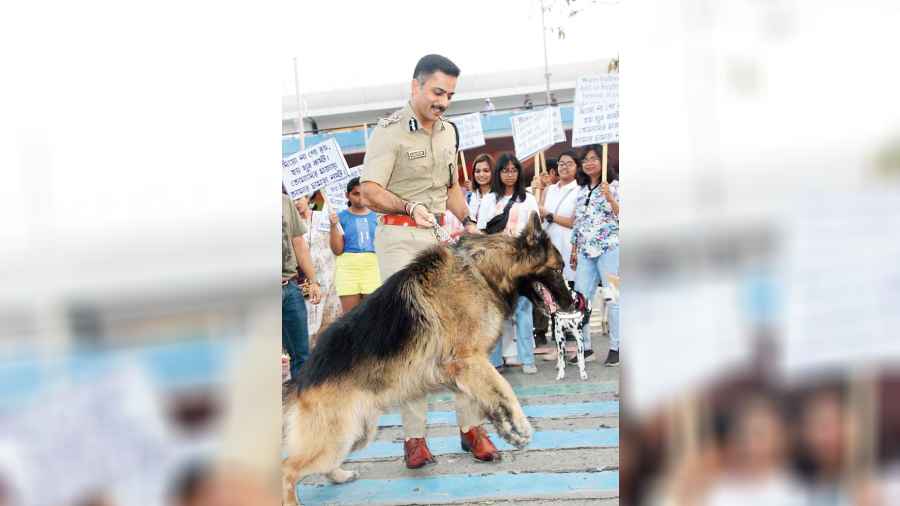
[[539, 287]]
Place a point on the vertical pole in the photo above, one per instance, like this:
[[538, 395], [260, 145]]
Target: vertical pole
[[299, 110], [546, 65]]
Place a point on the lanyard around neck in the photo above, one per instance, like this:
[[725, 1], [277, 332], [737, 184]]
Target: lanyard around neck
[[588, 201]]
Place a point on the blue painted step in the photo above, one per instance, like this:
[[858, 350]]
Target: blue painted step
[[542, 440], [547, 389], [601, 408], [196, 363], [458, 488]]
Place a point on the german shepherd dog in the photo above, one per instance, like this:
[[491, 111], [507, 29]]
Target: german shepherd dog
[[432, 324]]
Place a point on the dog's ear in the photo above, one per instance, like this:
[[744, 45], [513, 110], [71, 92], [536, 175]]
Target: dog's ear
[[533, 232]]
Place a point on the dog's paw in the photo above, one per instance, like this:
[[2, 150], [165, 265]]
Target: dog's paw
[[522, 432], [339, 476], [512, 425]]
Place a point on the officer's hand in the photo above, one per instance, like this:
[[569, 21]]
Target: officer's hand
[[423, 217]]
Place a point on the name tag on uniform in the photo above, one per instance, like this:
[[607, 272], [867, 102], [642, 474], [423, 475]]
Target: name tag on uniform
[[416, 154]]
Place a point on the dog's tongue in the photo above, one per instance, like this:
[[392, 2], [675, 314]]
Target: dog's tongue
[[545, 294]]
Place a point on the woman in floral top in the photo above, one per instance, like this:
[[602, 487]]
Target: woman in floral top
[[595, 240]]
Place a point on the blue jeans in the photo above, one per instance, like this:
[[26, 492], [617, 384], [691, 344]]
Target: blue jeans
[[524, 335], [497, 354], [525, 331], [587, 274], [294, 330]]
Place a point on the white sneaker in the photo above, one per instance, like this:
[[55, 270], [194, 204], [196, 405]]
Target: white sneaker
[[607, 294], [529, 369]]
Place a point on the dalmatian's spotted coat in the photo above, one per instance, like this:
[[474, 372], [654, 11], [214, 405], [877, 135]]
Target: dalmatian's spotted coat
[[565, 323]]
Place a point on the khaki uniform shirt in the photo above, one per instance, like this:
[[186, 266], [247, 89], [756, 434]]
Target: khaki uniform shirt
[[291, 226], [410, 162]]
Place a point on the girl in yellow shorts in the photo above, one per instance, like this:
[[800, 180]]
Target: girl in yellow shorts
[[353, 242]]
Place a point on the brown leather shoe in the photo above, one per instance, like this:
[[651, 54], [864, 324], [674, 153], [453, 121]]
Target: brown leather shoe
[[478, 442], [416, 453]]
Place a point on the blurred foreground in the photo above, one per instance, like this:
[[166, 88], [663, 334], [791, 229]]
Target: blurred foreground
[[761, 287]]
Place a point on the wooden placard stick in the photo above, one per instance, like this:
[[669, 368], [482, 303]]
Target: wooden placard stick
[[686, 450], [683, 420], [465, 171], [690, 425], [541, 194], [537, 172], [862, 450], [603, 165]]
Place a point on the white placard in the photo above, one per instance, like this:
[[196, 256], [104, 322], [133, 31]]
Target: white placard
[[336, 191], [842, 282], [105, 434], [335, 194], [315, 168], [471, 135], [353, 172], [596, 118], [321, 221], [559, 134], [532, 132], [696, 313]]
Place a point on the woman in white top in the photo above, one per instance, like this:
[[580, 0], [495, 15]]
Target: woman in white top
[[558, 210], [319, 316], [482, 170], [508, 183]]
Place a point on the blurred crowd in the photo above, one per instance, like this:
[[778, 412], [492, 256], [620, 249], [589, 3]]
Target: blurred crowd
[[752, 439]]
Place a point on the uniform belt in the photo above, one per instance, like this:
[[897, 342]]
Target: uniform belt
[[405, 221]]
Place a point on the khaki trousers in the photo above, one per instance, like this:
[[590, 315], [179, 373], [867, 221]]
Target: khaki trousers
[[395, 247]]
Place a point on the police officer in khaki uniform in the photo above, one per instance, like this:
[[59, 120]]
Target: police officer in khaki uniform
[[410, 176]]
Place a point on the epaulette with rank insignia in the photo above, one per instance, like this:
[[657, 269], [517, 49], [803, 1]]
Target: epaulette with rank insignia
[[393, 118]]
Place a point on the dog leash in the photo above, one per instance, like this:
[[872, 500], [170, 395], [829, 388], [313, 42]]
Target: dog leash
[[440, 234]]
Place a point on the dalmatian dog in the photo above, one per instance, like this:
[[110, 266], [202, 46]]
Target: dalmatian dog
[[565, 323]]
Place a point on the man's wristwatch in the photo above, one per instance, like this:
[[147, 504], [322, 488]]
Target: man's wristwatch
[[549, 217]]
